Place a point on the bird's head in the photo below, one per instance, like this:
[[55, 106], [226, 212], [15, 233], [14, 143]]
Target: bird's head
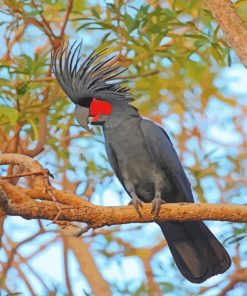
[[90, 83]]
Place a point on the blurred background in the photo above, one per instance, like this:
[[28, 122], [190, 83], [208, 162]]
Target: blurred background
[[184, 77]]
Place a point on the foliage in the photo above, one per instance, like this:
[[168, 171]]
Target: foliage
[[177, 60]]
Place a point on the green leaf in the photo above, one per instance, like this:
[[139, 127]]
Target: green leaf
[[22, 88], [95, 13], [29, 63], [166, 287], [11, 113], [34, 128], [229, 59], [84, 26], [170, 13], [105, 37], [86, 293], [235, 238]]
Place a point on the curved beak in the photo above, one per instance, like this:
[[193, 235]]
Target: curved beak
[[81, 115]]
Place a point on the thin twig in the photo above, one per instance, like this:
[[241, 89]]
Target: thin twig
[[14, 249], [24, 175], [154, 72], [83, 230], [68, 10], [44, 79], [58, 206]]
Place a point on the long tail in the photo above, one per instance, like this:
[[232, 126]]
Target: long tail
[[196, 251]]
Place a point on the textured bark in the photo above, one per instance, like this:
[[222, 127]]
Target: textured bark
[[41, 202], [232, 25], [27, 162], [18, 203]]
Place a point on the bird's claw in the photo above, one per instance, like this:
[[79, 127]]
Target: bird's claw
[[156, 203], [136, 203]]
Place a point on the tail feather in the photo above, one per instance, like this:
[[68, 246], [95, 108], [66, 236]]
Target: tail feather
[[196, 251]]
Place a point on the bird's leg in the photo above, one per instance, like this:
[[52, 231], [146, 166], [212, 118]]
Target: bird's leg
[[134, 198], [136, 202], [157, 201]]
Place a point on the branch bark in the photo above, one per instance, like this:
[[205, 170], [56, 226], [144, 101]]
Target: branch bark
[[233, 26], [36, 203], [20, 204], [28, 163], [68, 11]]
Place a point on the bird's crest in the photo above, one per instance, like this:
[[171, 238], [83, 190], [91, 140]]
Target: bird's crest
[[82, 79]]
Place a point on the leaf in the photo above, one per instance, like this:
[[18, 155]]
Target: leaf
[[34, 128], [84, 26], [105, 37], [85, 293], [130, 23], [95, 13], [22, 88], [166, 287], [195, 36], [229, 59], [235, 238], [170, 13], [29, 63], [11, 113]]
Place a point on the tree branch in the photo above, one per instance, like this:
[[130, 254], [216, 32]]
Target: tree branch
[[240, 275], [68, 10], [28, 163], [22, 175], [20, 204], [36, 203], [230, 22]]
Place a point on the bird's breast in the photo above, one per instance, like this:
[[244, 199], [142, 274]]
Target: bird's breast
[[133, 158]]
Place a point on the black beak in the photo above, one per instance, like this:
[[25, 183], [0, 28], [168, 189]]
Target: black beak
[[81, 115]]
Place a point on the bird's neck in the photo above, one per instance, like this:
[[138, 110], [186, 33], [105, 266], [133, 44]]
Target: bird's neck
[[120, 116]]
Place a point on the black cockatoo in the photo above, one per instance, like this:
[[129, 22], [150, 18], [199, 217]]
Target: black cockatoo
[[141, 155]]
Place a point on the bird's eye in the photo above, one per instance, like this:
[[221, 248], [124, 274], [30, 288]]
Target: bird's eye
[[86, 102]]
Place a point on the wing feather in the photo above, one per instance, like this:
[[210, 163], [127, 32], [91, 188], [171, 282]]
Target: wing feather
[[114, 163], [165, 157]]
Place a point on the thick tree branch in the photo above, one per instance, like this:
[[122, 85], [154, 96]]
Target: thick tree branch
[[36, 203], [28, 163], [230, 22], [20, 204]]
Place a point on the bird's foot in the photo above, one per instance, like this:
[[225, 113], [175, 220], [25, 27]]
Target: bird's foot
[[156, 203], [136, 202]]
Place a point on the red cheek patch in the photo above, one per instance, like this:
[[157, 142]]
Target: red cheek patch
[[99, 107]]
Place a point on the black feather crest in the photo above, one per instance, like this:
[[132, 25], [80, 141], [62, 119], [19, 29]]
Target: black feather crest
[[82, 79]]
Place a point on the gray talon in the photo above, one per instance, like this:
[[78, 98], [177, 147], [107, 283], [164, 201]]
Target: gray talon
[[136, 203], [156, 203]]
